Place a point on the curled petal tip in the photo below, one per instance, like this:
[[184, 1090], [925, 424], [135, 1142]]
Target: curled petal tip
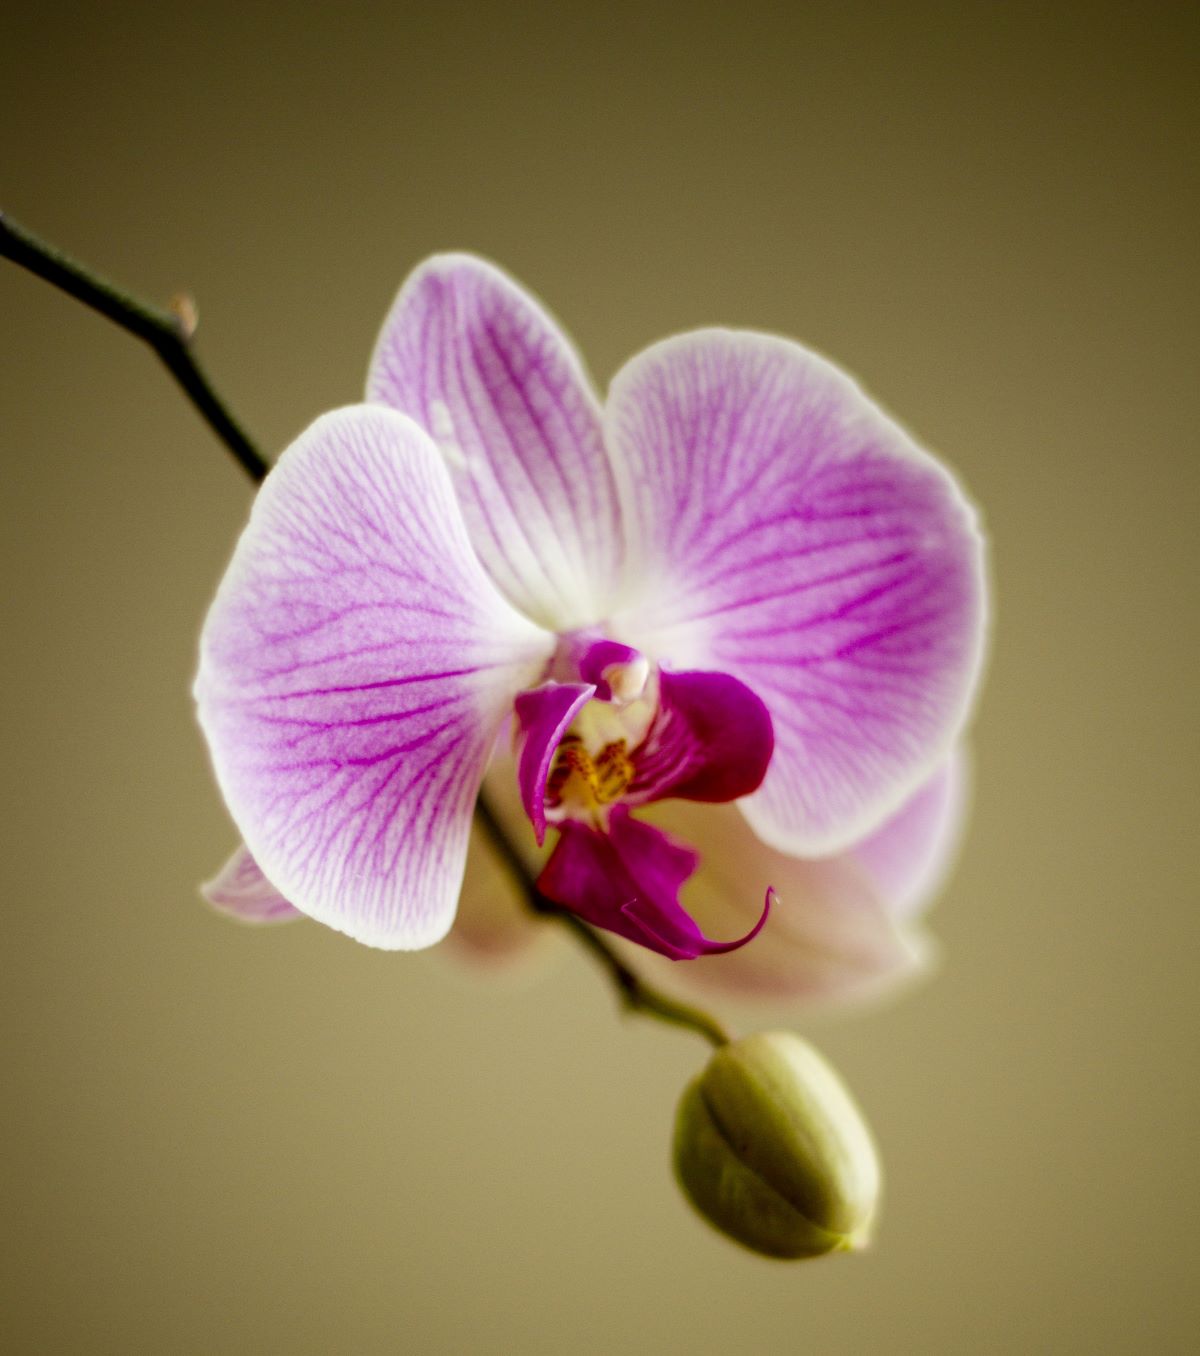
[[643, 915], [719, 948]]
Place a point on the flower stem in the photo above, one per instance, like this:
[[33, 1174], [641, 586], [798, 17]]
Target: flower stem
[[169, 334], [636, 994]]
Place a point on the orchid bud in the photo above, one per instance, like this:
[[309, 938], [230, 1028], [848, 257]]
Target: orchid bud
[[771, 1149]]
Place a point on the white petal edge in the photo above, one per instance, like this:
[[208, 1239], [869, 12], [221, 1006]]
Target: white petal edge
[[481, 364], [356, 539], [806, 806]]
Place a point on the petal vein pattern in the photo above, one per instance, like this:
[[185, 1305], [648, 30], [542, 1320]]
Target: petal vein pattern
[[355, 668], [243, 892], [781, 529], [478, 363]]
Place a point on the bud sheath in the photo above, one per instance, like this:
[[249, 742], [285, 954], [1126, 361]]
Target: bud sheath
[[771, 1149]]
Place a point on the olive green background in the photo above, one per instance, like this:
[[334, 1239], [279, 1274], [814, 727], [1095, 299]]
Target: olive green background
[[223, 1141]]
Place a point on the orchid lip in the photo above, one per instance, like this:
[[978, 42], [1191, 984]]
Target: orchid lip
[[585, 760], [627, 880]]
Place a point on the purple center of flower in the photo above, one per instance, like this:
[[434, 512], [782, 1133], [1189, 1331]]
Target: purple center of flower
[[607, 732]]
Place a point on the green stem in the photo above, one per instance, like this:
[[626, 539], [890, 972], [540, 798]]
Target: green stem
[[169, 334]]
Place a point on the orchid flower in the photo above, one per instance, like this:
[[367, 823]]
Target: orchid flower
[[737, 582]]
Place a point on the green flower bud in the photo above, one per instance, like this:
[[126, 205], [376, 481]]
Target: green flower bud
[[771, 1149]]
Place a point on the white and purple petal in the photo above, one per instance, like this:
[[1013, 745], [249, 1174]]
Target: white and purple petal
[[355, 667], [780, 528], [910, 854], [242, 891], [831, 936], [482, 367]]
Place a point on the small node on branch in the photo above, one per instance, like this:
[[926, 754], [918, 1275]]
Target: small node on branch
[[183, 307]]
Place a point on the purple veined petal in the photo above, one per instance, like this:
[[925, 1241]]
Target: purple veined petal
[[910, 854], [242, 891], [781, 529], [830, 938], [628, 881], [711, 740], [481, 366], [543, 715], [355, 666]]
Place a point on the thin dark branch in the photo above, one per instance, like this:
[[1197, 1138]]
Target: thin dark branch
[[168, 333]]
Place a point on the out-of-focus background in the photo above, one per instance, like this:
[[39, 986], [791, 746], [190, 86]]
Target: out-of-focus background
[[218, 1140]]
